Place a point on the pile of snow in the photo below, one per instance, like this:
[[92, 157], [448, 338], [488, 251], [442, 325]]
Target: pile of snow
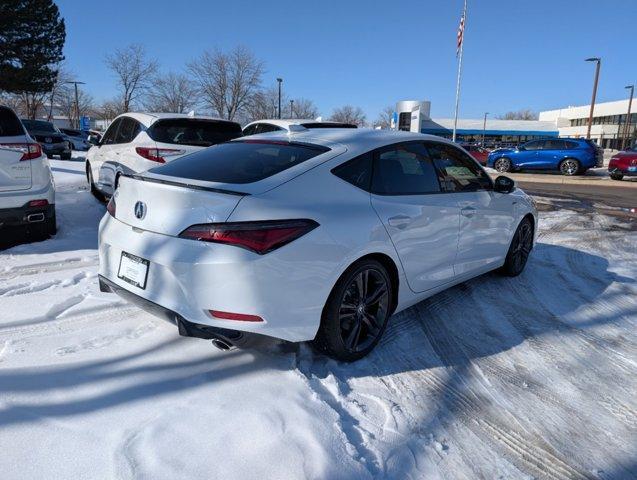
[[532, 377]]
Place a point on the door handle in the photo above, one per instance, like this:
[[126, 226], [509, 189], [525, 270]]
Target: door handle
[[399, 221], [468, 211]]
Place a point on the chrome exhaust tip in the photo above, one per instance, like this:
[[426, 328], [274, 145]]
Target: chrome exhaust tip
[[35, 217], [222, 344]]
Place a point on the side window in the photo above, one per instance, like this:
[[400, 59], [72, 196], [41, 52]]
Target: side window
[[128, 130], [266, 127], [251, 130], [111, 133], [460, 173], [404, 169], [536, 145], [357, 171], [553, 145], [570, 145]]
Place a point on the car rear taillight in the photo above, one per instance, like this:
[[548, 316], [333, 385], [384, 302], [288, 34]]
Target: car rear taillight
[[158, 154], [38, 203], [259, 237], [110, 207], [29, 150]]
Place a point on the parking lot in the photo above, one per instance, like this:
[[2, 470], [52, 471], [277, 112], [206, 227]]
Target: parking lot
[[531, 377]]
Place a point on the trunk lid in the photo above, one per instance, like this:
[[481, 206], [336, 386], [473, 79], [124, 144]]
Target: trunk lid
[[169, 207], [14, 174]]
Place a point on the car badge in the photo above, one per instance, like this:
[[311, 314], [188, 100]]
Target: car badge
[[140, 210], [48, 139]]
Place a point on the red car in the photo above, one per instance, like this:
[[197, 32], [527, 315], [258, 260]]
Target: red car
[[624, 164], [479, 153]]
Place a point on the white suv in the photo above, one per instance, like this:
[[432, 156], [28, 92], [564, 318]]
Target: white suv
[[135, 142], [27, 191]]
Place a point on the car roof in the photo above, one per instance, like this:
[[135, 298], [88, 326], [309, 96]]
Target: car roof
[[148, 118], [352, 138], [286, 122]]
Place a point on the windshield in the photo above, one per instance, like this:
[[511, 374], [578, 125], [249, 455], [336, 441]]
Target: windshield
[[241, 161], [39, 126], [9, 124], [198, 132]]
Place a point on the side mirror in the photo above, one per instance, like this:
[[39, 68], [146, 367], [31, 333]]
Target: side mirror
[[94, 140], [503, 184]]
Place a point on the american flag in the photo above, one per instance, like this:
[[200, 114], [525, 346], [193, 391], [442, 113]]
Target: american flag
[[460, 35]]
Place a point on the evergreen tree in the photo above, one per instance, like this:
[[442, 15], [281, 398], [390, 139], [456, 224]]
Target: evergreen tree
[[32, 37]]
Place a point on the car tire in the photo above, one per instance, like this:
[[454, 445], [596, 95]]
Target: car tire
[[616, 176], [570, 167], [89, 178], [502, 165], [353, 321], [66, 156], [519, 249], [49, 156]]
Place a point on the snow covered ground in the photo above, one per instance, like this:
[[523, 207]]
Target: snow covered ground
[[532, 377]]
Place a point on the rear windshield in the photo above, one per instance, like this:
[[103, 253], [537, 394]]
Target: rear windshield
[[186, 131], [240, 162], [39, 126], [9, 124]]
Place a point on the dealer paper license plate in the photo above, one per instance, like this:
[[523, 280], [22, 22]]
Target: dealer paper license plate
[[133, 270]]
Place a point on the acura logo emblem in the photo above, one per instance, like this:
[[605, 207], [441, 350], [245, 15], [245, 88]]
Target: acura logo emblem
[[140, 210]]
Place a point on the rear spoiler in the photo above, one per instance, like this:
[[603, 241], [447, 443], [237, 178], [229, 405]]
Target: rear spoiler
[[184, 184]]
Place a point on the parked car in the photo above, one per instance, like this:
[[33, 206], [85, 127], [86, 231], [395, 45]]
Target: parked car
[[479, 153], [27, 192], [273, 125], [316, 235], [78, 138], [623, 164], [569, 156], [50, 138], [135, 142]]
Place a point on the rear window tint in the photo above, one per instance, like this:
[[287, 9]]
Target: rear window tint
[[186, 131], [9, 124], [240, 162]]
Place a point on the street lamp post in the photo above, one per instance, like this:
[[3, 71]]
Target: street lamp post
[[484, 127], [627, 124], [280, 80], [590, 115], [291, 108], [77, 103]]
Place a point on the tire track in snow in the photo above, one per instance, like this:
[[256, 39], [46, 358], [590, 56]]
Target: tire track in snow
[[47, 267], [27, 288]]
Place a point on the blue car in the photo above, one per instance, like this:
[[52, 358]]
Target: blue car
[[569, 156]]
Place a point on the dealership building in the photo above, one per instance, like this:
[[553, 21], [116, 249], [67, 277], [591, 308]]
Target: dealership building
[[609, 122], [608, 129], [414, 116]]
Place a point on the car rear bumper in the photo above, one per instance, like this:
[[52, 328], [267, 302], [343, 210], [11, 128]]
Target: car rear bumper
[[56, 148], [190, 278], [25, 215]]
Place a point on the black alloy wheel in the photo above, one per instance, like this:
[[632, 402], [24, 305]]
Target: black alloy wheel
[[519, 250], [356, 313]]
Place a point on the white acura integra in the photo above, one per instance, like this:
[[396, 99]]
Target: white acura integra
[[312, 235]]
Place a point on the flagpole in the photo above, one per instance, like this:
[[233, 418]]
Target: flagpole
[[455, 117]]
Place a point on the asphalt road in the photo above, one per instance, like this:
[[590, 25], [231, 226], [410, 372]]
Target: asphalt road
[[616, 199]]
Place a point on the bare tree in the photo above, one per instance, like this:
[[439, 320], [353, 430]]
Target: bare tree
[[384, 118], [265, 104], [13, 101], [304, 108], [227, 82], [172, 92], [525, 114], [65, 102], [109, 109], [349, 114], [134, 72]]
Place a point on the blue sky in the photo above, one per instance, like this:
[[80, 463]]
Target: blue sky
[[518, 54]]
